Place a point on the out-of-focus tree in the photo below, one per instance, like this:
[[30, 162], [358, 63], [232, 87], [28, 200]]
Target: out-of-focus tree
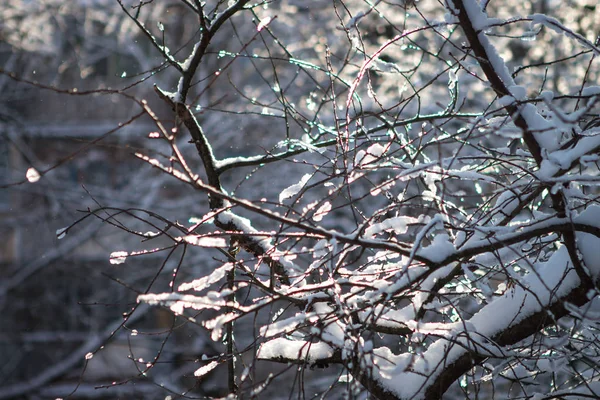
[[403, 193]]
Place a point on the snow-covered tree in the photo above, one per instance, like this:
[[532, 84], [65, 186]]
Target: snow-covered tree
[[402, 193]]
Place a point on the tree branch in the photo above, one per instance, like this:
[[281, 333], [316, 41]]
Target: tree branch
[[525, 116]]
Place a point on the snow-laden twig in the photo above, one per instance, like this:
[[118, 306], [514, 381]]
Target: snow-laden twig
[[558, 27]]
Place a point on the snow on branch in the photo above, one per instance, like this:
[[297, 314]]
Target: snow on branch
[[406, 376], [538, 133], [296, 351], [558, 27]]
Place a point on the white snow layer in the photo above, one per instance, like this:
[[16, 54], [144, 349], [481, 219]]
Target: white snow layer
[[206, 281], [543, 286], [205, 369], [294, 189], [294, 350], [398, 224]]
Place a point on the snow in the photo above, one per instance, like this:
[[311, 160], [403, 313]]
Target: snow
[[216, 325], [397, 224], [263, 23], [178, 302], [186, 64], [205, 241], [294, 189], [545, 285], [591, 91], [518, 92], [333, 330], [354, 20], [294, 350], [558, 27], [287, 325], [118, 257], [565, 121], [547, 95], [177, 97], [562, 159], [438, 219], [502, 126], [439, 249], [428, 284], [204, 282], [540, 287], [469, 175], [587, 243], [372, 154], [205, 369], [361, 14], [322, 211], [452, 78], [541, 128], [61, 233], [385, 66], [585, 391], [244, 225], [478, 18], [507, 202], [32, 175], [406, 278], [321, 249]]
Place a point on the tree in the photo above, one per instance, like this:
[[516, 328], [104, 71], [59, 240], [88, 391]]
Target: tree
[[411, 215]]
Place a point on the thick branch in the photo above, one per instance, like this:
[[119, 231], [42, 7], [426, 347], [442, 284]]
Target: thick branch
[[200, 141], [216, 196], [497, 84], [512, 335], [522, 114], [202, 46]]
